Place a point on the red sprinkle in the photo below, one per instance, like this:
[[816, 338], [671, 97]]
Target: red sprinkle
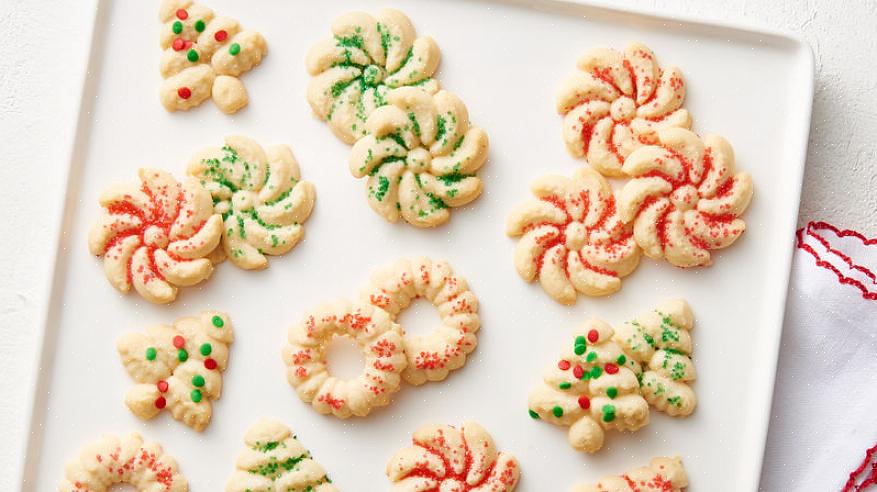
[[179, 44], [210, 364], [584, 402], [160, 402], [578, 372], [162, 386], [611, 368], [184, 93], [563, 365], [593, 336], [221, 35], [182, 14], [179, 342]]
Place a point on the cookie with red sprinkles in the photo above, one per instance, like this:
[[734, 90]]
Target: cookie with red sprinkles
[[662, 475]]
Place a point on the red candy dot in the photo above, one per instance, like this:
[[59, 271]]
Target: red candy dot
[[578, 372], [221, 35], [593, 336], [160, 402], [179, 341], [563, 365], [182, 14], [611, 368], [584, 402], [162, 386], [210, 364], [179, 44]]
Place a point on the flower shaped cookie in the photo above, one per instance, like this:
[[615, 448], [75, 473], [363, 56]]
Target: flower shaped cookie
[[662, 475], [572, 237], [421, 157], [453, 460], [616, 103], [260, 195], [685, 197], [365, 57], [156, 236]]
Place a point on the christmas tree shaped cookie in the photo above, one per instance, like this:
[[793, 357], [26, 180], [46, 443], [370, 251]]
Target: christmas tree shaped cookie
[[275, 461], [204, 56], [177, 367]]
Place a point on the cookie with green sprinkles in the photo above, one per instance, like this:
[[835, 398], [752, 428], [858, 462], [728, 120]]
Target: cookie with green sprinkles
[[177, 367]]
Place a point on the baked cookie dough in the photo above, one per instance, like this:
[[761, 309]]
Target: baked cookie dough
[[450, 459], [432, 356], [123, 459], [421, 157], [353, 70], [616, 103], [373, 330], [204, 56], [684, 197], [260, 195], [275, 461], [572, 238], [662, 475], [156, 236]]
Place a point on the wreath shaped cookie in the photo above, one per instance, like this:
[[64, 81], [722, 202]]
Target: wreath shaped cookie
[[353, 70], [572, 238], [260, 195], [449, 459], [684, 197], [123, 459], [662, 475], [430, 357], [373, 330], [616, 103], [177, 367], [156, 236], [421, 157]]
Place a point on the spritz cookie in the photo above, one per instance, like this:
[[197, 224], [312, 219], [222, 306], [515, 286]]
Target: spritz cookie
[[204, 56], [373, 330], [156, 235], [450, 459], [123, 459], [421, 157], [662, 475], [684, 197], [616, 103], [572, 238], [365, 57], [432, 356], [260, 195], [177, 367], [275, 461]]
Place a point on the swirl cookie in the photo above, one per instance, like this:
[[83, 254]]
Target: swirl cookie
[[430, 357], [373, 330], [662, 475], [365, 57], [421, 157], [260, 195], [275, 461], [123, 459], [449, 459], [177, 367], [572, 238], [684, 197], [616, 103], [156, 236], [204, 56]]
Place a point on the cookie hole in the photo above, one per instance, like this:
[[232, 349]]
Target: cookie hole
[[344, 357], [420, 318]]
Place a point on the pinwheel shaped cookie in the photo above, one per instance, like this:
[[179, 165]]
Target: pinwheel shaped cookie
[[662, 475], [421, 157]]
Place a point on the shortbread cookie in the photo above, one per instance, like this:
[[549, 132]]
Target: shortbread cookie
[[123, 459], [593, 386], [572, 237], [685, 197], [661, 342], [275, 461], [432, 356], [616, 103], [449, 459], [177, 367], [662, 475], [421, 157], [365, 57], [203, 57], [260, 195], [156, 235], [373, 330]]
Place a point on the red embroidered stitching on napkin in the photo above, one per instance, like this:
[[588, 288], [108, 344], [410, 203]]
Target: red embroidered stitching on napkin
[[812, 230], [870, 479]]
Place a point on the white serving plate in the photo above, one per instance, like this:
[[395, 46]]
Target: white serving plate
[[504, 59]]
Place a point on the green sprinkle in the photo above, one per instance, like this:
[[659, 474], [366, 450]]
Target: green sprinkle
[[151, 353], [182, 355], [608, 413], [178, 27], [196, 395], [198, 380], [591, 357], [621, 360], [581, 340], [557, 411], [565, 385], [217, 322], [234, 49], [612, 392], [580, 349], [206, 349], [192, 55], [199, 25], [596, 371], [533, 415]]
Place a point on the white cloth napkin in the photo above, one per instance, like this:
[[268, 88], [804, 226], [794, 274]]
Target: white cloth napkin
[[824, 415]]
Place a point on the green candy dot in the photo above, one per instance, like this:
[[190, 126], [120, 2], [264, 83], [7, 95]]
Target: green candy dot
[[621, 360], [580, 349], [581, 340], [217, 322], [205, 349], [591, 357], [151, 353], [612, 392], [198, 380], [234, 49], [565, 385], [196, 395], [586, 376], [533, 415], [178, 27], [608, 413], [596, 372], [182, 355], [199, 26], [557, 411], [192, 55]]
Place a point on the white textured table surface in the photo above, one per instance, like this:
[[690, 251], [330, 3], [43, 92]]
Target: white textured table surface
[[44, 48]]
